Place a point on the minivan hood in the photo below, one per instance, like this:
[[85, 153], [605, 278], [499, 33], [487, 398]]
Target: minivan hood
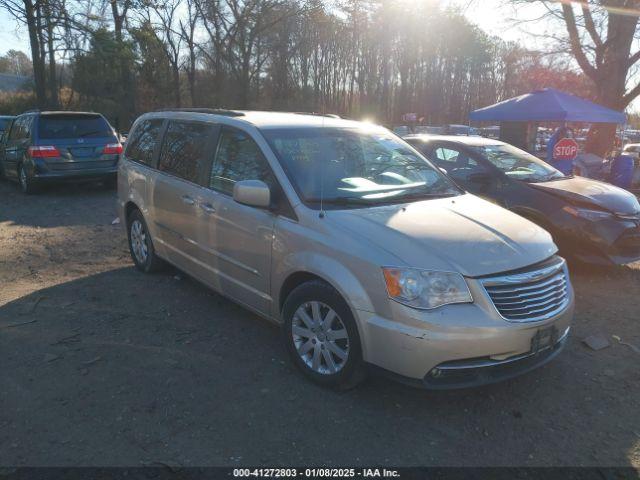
[[585, 190], [464, 234]]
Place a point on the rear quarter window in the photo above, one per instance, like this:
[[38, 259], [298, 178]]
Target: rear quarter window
[[20, 128], [73, 126], [142, 143]]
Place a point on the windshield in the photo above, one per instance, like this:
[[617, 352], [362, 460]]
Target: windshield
[[355, 167], [73, 126], [518, 164]]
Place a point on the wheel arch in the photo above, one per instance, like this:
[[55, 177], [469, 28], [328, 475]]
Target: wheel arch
[[312, 266], [129, 207], [294, 280], [307, 266]]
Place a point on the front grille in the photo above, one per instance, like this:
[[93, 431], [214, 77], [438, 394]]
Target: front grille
[[529, 296]]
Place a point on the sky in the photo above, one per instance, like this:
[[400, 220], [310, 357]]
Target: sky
[[494, 16], [491, 15]]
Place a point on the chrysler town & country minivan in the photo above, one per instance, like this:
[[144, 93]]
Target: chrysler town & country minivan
[[360, 248]]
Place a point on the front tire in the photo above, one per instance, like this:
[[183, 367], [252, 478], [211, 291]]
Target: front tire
[[321, 336], [141, 247]]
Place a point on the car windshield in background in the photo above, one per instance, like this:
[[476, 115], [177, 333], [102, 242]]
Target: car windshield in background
[[73, 126], [351, 167], [518, 164]]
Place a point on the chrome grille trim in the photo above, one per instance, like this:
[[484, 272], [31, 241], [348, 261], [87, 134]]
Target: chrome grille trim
[[530, 296]]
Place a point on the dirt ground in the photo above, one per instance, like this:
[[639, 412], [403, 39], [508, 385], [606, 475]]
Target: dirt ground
[[103, 365]]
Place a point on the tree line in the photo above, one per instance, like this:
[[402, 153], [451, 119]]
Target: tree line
[[374, 59]]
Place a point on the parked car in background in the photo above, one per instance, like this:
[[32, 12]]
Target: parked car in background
[[401, 130], [632, 149], [429, 129], [5, 120], [590, 220], [6, 125], [340, 232], [460, 130], [60, 146], [490, 132]]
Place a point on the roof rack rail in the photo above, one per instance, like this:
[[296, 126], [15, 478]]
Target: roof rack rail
[[316, 114], [214, 111], [32, 110]]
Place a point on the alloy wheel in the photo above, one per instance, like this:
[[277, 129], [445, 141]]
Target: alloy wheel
[[139, 241], [320, 338]]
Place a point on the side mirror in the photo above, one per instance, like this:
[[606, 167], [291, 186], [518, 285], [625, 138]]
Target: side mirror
[[254, 193]]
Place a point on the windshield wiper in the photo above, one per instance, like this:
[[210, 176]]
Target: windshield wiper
[[421, 196], [341, 201], [381, 200]]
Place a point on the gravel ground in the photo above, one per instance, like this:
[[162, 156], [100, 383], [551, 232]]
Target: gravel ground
[[103, 365]]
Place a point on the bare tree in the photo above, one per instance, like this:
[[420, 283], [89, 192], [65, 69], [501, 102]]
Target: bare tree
[[163, 18], [27, 12], [188, 27], [600, 36]]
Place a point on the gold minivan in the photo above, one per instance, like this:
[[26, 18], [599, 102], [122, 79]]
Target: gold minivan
[[362, 250]]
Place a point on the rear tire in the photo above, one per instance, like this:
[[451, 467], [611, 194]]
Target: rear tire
[[27, 183], [141, 247], [321, 336]]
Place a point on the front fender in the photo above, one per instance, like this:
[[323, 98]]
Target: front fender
[[334, 273], [327, 268]]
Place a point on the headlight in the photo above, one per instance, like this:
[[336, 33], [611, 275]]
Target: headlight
[[425, 289], [587, 213]]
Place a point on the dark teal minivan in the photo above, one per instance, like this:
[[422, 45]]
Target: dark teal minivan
[[59, 146]]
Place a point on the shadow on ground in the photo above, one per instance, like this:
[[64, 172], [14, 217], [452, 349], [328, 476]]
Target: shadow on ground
[[121, 368], [57, 205]]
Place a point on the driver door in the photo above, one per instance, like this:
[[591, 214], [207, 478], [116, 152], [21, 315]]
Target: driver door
[[238, 238]]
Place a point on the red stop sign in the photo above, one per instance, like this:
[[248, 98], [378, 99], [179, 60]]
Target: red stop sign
[[565, 149]]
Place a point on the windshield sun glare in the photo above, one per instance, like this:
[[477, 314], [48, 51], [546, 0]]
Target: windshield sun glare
[[356, 167]]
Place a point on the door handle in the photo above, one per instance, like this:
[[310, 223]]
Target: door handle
[[208, 208], [188, 200]]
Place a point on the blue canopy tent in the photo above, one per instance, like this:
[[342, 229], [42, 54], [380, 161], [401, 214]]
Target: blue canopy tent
[[547, 105]]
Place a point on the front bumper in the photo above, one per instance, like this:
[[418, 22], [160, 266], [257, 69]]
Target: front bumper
[[471, 337], [483, 371], [611, 241]]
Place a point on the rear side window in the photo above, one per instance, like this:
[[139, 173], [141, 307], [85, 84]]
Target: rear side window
[[184, 149], [238, 158], [141, 145], [20, 128], [73, 126]]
